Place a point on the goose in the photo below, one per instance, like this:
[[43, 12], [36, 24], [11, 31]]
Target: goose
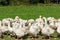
[[58, 28], [52, 22], [46, 30], [40, 20], [4, 28], [30, 22], [17, 19], [34, 30], [19, 30], [10, 29], [23, 22], [1, 35]]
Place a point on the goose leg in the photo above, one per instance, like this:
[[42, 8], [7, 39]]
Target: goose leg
[[35, 38], [16, 39], [49, 38], [21, 39], [32, 38]]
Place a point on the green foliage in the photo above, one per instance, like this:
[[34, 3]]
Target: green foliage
[[18, 2], [34, 1]]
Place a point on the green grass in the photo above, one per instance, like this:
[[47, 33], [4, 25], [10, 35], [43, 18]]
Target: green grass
[[28, 12]]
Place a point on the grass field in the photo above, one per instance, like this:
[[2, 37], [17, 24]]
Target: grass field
[[27, 12]]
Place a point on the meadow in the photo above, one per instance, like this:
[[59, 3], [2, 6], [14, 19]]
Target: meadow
[[28, 12]]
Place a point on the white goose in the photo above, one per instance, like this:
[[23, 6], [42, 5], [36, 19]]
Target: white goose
[[34, 30], [46, 30], [52, 22], [17, 19], [4, 28], [30, 22], [19, 30], [6, 20], [0, 29], [58, 28], [40, 20], [10, 29]]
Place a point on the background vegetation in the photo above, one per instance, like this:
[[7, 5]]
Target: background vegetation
[[19, 2]]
